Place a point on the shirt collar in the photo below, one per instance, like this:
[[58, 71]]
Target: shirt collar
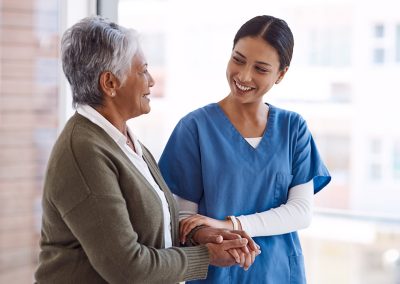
[[95, 117]]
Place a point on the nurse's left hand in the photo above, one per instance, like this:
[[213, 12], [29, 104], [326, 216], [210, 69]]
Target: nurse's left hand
[[188, 224]]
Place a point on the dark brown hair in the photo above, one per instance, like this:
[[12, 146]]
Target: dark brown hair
[[274, 31]]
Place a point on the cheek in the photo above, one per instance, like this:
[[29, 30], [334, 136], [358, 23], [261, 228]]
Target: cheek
[[230, 69]]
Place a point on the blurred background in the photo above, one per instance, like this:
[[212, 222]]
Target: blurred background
[[344, 80]]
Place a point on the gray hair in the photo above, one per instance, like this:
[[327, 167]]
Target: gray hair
[[90, 47]]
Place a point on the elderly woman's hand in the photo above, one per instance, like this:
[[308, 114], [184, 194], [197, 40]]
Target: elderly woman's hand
[[188, 224], [220, 253], [244, 256]]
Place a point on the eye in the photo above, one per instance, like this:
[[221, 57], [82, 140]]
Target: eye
[[261, 69], [238, 60]]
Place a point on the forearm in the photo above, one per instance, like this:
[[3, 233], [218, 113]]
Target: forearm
[[296, 214], [106, 234], [186, 208]]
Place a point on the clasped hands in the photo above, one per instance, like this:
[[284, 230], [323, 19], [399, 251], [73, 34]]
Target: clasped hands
[[226, 247]]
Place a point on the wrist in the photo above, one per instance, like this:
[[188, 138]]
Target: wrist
[[191, 237], [234, 221], [239, 224]]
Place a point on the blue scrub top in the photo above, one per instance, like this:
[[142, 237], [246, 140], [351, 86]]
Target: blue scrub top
[[207, 161]]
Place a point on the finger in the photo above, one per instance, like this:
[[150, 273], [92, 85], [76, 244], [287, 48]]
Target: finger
[[216, 239], [228, 235], [247, 261], [245, 250], [182, 224], [238, 243], [252, 243], [189, 228], [235, 255], [192, 222], [186, 226], [253, 256], [242, 259]]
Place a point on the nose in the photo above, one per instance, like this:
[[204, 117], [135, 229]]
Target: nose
[[245, 74], [151, 80]]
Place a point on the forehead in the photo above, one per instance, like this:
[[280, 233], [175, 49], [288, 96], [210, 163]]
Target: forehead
[[138, 59], [256, 48]]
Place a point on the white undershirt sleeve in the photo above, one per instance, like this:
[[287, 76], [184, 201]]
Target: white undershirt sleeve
[[296, 214]]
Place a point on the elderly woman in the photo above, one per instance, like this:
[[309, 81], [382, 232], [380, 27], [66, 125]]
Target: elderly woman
[[108, 215]]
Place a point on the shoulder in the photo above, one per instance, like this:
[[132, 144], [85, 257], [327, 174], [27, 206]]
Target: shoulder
[[287, 123], [200, 114], [285, 114], [198, 118], [81, 140], [80, 134]]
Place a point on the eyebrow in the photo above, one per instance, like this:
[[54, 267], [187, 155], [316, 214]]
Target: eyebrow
[[258, 62]]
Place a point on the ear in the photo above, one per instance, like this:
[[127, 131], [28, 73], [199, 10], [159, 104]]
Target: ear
[[282, 74], [108, 83]]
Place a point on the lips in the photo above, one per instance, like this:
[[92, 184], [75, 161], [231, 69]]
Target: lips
[[243, 88]]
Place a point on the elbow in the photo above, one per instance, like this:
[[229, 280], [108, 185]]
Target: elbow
[[306, 220]]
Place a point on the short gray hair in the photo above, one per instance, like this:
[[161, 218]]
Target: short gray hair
[[90, 47]]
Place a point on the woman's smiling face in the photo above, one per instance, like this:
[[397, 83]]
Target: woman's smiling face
[[133, 94], [253, 69]]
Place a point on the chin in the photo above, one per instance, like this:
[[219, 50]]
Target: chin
[[147, 110]]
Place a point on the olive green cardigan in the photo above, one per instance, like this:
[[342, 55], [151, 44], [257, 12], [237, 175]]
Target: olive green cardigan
[[102, 221]]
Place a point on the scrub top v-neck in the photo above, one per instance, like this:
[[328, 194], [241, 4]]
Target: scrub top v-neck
[[208, 161]]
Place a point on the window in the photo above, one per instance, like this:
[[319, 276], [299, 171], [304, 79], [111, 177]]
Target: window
[[378, 55], [397, 47], [29, 101], [341, 92], [396, 160], [379, 30]]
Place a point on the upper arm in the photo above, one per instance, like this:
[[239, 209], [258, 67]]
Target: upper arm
[[180, 163], [307, 163]]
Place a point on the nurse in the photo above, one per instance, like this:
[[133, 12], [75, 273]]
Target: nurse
[[245, 164]]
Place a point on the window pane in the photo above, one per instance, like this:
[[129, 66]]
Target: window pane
[[379, 30], [398, 43], [378, 55], [28, 127]]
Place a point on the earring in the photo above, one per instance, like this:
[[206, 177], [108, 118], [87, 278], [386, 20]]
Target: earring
[[112, 94]]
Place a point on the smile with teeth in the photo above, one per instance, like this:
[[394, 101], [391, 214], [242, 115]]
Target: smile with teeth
[[243, 88]]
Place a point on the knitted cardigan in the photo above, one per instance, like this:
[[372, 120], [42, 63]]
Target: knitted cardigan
[[102, 221]]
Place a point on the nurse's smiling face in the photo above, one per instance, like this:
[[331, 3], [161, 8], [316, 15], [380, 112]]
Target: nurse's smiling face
[[253, 69]]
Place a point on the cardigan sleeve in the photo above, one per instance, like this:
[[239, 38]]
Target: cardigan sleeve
[[102, 226]]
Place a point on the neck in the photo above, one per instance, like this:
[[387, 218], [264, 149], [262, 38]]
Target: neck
[[247, 111], [114, 117]]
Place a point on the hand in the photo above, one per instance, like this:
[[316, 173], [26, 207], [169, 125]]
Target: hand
[[244, 256], [188, 224], [217, 235], [219, 253]]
